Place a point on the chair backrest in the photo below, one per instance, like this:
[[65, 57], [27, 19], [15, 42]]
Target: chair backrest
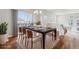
[[24, 30], [29, 34], [20, 29], [65, 31]]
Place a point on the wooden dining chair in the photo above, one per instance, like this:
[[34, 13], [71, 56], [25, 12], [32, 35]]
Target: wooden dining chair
[[52, 34], [34, 39], [20, 33], [61, 43], [28, 37], [19, 36]]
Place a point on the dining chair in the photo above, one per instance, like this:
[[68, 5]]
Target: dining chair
[[20, 37], [32, 38], [29, 36], [20, 32], [61, 43], [51, 34], [64, 32]]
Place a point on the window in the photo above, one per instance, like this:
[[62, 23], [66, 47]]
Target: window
[[74, 23], [24, 18], [45, 17]]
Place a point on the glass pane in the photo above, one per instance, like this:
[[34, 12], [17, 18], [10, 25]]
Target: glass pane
[[24, 18]]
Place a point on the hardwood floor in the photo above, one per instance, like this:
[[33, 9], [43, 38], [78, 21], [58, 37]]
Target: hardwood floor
[[66, 43], [11, 44], [58, 44]]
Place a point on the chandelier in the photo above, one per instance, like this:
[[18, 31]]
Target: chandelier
[[37, 12]]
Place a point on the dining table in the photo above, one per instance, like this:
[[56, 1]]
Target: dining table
[[43, 31]]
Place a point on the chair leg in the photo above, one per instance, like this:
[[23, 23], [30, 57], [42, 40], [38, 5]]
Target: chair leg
[[23, 37], [41, 43], [20, 38], [26, 42], [31, 43], [52, 36]]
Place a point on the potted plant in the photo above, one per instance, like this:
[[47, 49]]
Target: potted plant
[[38, 23], [3, 33]]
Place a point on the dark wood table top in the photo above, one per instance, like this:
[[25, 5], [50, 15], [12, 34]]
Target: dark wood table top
[[40, 29]]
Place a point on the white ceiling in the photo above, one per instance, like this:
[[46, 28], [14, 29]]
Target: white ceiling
[[54, 11], [62, 11]]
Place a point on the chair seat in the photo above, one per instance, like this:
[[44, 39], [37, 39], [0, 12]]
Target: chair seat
[[50, 34], [36, 34], [20, 33], [36, 39]]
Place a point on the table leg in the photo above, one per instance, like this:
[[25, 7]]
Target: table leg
[[52, 36], [43, 35], [55, 34]]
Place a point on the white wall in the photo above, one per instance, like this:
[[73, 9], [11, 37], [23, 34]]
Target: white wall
[[51, 18], [62, 19], [5, 16]]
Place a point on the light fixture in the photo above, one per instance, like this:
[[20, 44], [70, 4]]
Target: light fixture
[[37, 12]]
